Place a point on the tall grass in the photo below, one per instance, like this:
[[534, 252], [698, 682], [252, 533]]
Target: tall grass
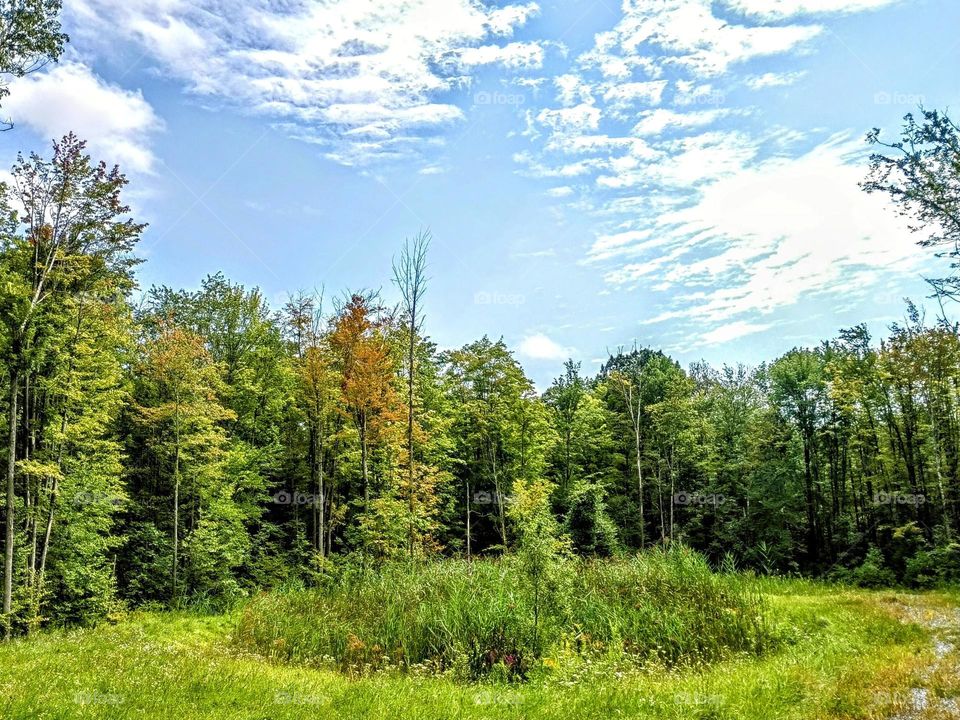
[[477, 618]]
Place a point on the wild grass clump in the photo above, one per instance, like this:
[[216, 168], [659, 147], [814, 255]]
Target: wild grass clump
[[484, 618]]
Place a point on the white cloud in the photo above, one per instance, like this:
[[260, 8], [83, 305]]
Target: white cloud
[[658, 34], [758, 82], [361, 77], [733, 331], [714, 215], [612, 245], [771, 234], [516, 56], [700, 159], [655, 122], [503, 21], [779, 9], [622, 97], [116, 123], [578, 118], [541, 347], [571, 89]]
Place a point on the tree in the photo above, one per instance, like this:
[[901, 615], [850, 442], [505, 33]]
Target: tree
[[921, 173], [71, 232], [541, 549], [564, 398], [367, 373], [409, 274], [798, 392], [78, 460], [181, 410], [676, 422], [316, 395], [498, 429], [629, 377], [30, 37]]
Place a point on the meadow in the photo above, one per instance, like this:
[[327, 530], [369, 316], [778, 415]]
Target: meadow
[[657, 636]]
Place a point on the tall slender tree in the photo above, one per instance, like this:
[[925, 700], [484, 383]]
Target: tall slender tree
[[410, 276]]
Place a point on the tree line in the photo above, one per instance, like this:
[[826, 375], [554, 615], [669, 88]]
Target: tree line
[[193, 446]]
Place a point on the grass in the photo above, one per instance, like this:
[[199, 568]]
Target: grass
[[846, 656], [474, 619]]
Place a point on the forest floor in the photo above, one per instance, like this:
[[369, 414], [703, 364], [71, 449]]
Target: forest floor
[[874, 655]]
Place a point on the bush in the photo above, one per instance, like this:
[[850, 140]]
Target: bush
[[477, 619], [872, 572], [938, 566]]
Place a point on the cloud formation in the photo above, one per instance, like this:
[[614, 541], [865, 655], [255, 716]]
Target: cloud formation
[[361, 78], [541, 347], [719, 218], [116, 123]]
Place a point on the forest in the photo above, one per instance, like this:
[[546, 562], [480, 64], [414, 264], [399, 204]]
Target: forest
[[201, 444], [316, 499]]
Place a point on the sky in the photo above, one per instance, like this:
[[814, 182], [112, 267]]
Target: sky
[[681, 174]]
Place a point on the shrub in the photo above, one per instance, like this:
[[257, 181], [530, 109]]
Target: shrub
[[937, 566], [479, 619], [872, 573]]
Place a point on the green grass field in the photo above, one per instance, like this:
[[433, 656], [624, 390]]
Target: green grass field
[[844, 654]]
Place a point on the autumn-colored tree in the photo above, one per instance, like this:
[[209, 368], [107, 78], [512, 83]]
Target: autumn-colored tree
[[367, 368]]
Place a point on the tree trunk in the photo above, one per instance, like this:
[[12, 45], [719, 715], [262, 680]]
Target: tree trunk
[[363, 458], [640, 482], [410, 473], [500, 512], [468, 522], [176, 517], [320, 503], [10, 515], [45, 547], [672, 490]]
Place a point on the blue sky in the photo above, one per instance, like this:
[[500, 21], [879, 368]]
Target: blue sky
[[675, 173]]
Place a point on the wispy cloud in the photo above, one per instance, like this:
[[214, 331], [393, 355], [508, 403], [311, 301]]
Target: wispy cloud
[[780, 9], [733, 331], [718, 216], [359, 77], [770, 234]]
